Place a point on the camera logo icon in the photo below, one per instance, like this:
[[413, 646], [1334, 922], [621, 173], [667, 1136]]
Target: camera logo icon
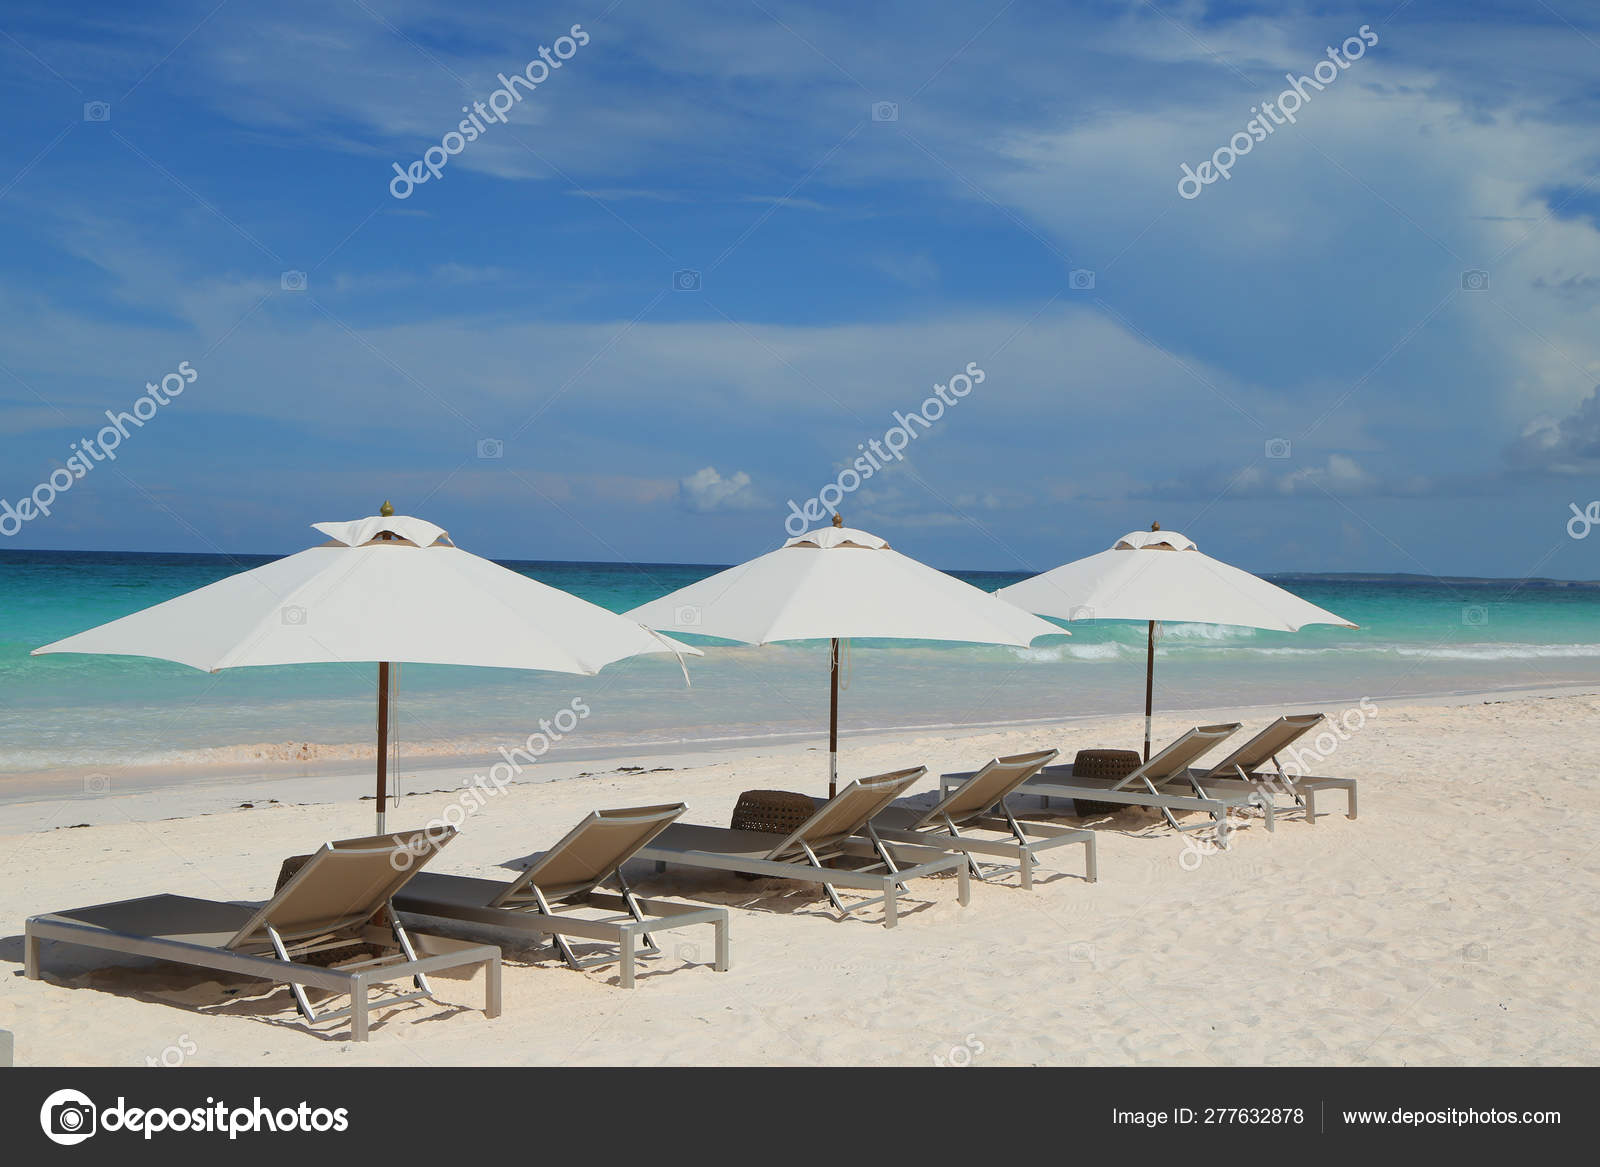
[[1475, 280], [1279, 448], [68, 1117], [491, 449], [293, 615], [97, 111], [686, 616], [293, 281], [96, 784], [1080, 279], [1080, 612], [885, 111], [686, 280], [1475, 616]]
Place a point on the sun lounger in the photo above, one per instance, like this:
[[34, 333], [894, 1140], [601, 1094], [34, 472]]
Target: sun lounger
[[819, 849], [967, 818], [1145, 785], [1243, 769], [567, 879], [339, 898]]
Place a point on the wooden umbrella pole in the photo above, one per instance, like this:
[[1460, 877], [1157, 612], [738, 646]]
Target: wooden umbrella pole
[[1149, 686], [383, 743], [833, 722]]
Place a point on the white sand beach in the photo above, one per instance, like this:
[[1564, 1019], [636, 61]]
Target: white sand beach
[[1453, 923]]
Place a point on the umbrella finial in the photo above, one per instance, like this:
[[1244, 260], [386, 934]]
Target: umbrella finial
[[1156, 526], [387, 509], [838, 519]]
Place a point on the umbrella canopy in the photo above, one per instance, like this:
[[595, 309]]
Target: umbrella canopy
[[389, 588], [833, 584], [1158, 575]]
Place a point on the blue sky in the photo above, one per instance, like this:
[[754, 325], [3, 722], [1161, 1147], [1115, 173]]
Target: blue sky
[[1313, 304]]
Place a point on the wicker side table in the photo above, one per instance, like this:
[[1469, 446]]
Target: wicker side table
[[290, 865], [1113, 764], [777, 812]]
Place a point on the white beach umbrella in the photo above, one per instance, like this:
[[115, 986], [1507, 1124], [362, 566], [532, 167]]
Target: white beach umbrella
[[384, 589], [1158, 575], [833, 584]]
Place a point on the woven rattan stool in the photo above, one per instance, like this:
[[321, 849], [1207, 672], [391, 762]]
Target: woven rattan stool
[[778, 812], [1113, 764]]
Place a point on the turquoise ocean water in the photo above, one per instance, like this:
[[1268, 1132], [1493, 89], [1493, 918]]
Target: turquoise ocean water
[[1417, 636]]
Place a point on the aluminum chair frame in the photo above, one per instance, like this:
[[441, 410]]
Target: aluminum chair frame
[[523, 905], [841, 842], [939, 827], [1058, 782], [1234, 774], [244, 954]]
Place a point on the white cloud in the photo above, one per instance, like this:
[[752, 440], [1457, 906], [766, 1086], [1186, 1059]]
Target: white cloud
[[1566, 445], [707, 490], [1341, 474]]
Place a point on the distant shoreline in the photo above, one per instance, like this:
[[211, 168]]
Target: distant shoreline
[[247, 559]]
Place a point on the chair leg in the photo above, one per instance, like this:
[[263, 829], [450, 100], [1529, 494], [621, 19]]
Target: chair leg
[[301, 1000], [491, 988], [404, 940], [30, 957], [358, 1010], [838, 904], [627, 959], [650, 948], [1311, 806], [890, 907], [963, 887], [1025, 866], [723, 961], [1091, 860], [1350, 793], [566, 952]]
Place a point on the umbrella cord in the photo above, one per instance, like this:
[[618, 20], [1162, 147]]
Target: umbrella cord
[[844, 664], [394, 729]]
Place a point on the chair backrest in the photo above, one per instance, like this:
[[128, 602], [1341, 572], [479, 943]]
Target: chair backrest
[[590, 853], [1262, 748], [343, 886], [987, 787], [1171, 762], [847, 812]]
